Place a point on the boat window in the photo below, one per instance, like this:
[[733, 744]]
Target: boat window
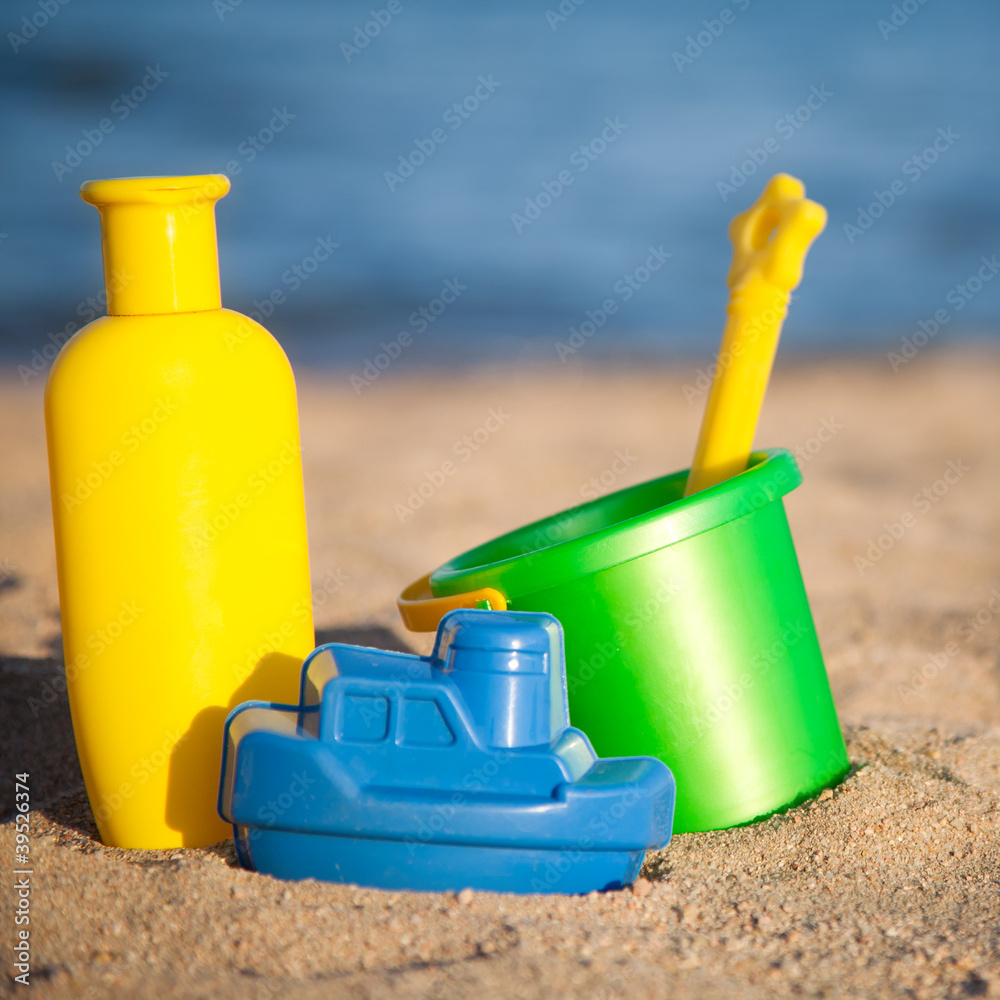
[[424, 725], [364, 719]]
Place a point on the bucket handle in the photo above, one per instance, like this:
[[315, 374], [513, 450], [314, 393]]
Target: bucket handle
[[421, 611]]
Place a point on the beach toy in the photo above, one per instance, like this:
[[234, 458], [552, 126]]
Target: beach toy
[[770, 241], [179, 517], [454, 770], [688, 632]]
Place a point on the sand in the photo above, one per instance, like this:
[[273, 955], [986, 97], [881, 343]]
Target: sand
[[887, 886]]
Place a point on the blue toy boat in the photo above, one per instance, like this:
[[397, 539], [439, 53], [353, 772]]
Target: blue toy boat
[[441, 772]]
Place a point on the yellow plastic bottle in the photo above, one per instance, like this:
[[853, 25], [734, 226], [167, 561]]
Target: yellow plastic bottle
[[179, 517]]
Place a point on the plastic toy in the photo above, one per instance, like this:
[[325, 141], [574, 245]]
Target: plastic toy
[[179, 517], [688, 630], [770, 241], [441, 772]]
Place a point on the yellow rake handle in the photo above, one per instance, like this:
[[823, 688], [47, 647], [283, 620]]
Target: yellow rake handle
[[770, 241]]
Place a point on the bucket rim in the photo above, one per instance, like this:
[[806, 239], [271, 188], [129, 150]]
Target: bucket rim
[[770, 474]]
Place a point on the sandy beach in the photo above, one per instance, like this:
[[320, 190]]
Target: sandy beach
[[888, 885]]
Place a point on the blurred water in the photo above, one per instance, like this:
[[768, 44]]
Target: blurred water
[[224, 69]]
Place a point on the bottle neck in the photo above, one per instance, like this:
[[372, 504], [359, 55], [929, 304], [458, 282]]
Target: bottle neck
[[159, 243]]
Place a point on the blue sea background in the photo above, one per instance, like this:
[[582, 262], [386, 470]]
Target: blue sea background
[[692, 112]]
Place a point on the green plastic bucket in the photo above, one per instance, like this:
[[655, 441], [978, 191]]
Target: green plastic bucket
[[688, 635]]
